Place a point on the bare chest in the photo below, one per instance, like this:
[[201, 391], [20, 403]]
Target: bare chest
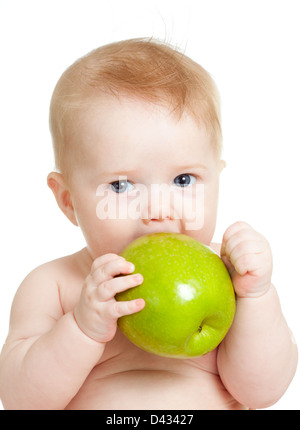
[[129, 378]]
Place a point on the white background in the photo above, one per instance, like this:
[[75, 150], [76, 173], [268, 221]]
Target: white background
[[251, 48]]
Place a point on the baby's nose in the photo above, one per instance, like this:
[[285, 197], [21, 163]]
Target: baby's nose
[[159, 206]]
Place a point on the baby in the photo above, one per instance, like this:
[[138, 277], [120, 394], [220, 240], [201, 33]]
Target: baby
[[128, 116]]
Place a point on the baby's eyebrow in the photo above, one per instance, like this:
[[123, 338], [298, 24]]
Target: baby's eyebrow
[[120, 173], [192, 166]]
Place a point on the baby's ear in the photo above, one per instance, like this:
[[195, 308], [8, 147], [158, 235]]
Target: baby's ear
[[57, 184]]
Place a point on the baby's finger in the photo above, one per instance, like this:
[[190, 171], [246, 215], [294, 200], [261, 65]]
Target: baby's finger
[[228, 264], [108, 289], [115, 310], [103, 259], [239, 237], [249, 263], [112, 268], [234, 229], [243, 248]]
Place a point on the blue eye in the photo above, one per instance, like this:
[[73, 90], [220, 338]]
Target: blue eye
[[121, 186], [184, 180]]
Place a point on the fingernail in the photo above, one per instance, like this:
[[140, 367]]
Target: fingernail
[[131, 267], [140, 303], [139, 278]]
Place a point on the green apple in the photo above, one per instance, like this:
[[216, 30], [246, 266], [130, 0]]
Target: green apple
[[190, 300]]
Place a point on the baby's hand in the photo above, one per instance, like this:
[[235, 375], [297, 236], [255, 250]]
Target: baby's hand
[[97, 311], [248, 258]]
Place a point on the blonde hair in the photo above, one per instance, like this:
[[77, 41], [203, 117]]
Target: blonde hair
[[139, 68]]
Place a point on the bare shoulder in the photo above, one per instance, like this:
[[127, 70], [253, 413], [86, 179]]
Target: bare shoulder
[[50, 274], [37, 304], [78, 262], [55, 271]]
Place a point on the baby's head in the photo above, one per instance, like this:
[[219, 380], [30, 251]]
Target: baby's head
[[137, 143]]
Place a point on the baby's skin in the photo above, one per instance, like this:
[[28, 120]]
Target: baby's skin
[[64, 349]]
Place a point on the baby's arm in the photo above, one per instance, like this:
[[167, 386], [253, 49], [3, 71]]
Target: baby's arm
[[258, 358], [48, 355]]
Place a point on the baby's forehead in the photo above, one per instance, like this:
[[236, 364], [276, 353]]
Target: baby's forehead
[[104, 113], [123, 130], [122, 106]]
